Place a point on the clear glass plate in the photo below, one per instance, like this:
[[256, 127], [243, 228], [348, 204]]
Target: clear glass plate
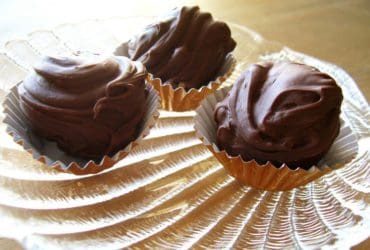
[[170, 192]]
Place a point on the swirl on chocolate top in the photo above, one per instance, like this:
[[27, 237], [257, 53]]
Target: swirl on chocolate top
[[280, 112], [90, 106], [187, 46]]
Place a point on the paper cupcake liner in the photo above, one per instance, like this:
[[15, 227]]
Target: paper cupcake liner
[[49, 153], [268, 176], [178, 99]]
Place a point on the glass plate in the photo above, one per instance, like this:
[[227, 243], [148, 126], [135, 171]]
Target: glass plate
[[170, 192]]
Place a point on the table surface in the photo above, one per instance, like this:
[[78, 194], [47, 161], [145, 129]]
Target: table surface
[[334, 31]]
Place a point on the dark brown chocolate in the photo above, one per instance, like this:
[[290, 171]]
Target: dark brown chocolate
[[91, 106], [187, 46], [280, 112]]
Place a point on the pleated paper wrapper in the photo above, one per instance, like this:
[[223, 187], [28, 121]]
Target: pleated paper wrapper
[[268, 176], [49, 153]]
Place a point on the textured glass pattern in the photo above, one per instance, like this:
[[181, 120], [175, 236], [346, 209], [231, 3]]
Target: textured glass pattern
[[170, 192]]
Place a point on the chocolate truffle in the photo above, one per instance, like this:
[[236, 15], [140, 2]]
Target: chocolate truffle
[[280, 112], [186, 46], [91, 106]]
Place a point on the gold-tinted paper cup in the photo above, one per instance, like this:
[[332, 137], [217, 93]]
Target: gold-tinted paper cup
[[179, 99], [268, 176], [49, 153]]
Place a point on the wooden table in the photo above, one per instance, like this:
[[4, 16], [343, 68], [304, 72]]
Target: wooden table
[[334, 31]]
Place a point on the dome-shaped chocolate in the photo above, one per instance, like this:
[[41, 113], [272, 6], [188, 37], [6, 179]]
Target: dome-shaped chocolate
[[280, 112], [91, 106], [186, 46]]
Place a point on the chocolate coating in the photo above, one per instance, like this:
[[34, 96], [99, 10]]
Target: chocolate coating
[[91, 106], [280, 112], [186, 46]]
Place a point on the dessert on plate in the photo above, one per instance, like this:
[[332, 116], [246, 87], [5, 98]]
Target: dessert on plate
[[275, 124], [91, 106], [187, 52]]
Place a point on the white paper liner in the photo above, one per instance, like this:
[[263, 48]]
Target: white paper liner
[[179, 99], [267, 176], [49, 153]]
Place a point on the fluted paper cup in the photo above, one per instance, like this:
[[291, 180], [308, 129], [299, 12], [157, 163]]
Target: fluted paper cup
[[48, 152], [267, 176]]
